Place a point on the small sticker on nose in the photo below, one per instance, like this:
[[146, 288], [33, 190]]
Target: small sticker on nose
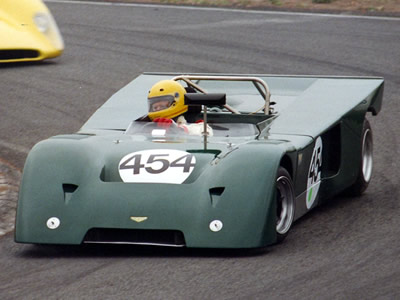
[[216, 225], [53, 223]]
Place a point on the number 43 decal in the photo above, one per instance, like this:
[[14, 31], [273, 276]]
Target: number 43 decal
[[157, 166]]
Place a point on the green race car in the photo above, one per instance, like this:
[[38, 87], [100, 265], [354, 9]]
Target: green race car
[[268, 150]]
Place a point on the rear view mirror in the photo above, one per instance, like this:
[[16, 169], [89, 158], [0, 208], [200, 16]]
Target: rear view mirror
[[205, 99]]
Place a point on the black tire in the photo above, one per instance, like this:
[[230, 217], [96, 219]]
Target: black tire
[[366, 164], [285, 204]]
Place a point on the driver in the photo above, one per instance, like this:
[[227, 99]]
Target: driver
[[166, 100]]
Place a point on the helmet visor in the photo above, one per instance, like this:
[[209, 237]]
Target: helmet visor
[[160, 103]]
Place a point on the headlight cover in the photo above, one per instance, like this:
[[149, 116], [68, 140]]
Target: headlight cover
[[46, 24], [42, 22]]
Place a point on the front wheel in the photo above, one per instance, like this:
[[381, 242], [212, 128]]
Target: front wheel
[[285, 204]]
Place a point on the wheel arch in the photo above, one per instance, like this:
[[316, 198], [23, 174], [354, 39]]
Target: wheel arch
[[287, 163]]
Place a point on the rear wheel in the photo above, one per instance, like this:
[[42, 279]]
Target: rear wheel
[[285, 204], [366, 164]]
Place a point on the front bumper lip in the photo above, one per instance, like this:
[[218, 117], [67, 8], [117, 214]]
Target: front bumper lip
[[137, 243]]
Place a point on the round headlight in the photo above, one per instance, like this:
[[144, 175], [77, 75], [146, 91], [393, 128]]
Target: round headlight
[[42, 22]]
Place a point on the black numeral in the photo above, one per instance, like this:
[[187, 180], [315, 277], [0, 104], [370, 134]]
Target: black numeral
[[152, 159], [315, 165], [136, 164], [186, 165]]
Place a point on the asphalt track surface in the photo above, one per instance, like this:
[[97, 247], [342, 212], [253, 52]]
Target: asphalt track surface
[[347, 249]]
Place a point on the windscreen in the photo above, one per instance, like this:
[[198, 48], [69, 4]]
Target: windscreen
[[192, 130]]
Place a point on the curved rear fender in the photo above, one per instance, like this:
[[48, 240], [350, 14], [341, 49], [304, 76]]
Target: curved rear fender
[[372, 103], [375, 103]]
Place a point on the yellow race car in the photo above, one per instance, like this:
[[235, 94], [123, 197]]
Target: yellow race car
[[28, 31]]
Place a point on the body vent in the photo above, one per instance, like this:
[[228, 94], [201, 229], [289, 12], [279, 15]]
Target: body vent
[[171, 238], [18, 54], [68, 189], [215, 195]]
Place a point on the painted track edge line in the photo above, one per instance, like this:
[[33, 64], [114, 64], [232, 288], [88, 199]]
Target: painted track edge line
[[306, 14]]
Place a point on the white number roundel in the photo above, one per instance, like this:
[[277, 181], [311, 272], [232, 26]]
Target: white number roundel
[[157, 166]]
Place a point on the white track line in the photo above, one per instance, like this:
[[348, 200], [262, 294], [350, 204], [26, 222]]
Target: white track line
[[264, 12]]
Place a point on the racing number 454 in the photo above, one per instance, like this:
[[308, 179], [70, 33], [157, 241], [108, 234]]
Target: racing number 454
[[157, 163]]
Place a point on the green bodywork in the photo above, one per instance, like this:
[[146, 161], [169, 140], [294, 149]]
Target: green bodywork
[[75, 177]]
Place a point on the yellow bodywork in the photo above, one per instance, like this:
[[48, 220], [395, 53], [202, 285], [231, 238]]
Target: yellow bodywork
[[28, 31]]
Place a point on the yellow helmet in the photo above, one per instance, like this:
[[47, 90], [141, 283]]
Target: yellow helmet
[[166, 100]]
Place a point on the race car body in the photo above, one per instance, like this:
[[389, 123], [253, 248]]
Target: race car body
[[272, 148], [28, 32]]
